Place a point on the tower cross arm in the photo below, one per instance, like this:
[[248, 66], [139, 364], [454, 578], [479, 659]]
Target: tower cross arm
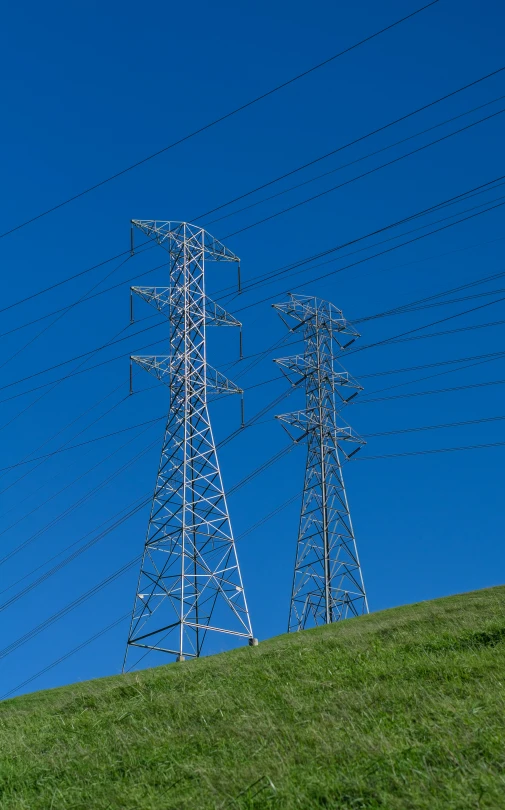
[[183, 235], [303, 366], [304, 308], [160, 299], [164, 371], [308, 420]]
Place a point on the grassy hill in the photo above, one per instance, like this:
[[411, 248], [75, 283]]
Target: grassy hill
[[397, 710]]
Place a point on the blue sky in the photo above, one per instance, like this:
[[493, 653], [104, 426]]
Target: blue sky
[[90, 88]]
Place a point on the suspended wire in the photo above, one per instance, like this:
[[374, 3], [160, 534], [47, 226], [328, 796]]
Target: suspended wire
[[444, 332], [82, 444], [311, 268], [114, 518], [415, 306], [257, 280], [364, 174], [484, 357], [350, 143], [356, 161], [67, 655], [143, 502], [83, 371], [72, 557], [429, 393], [148, 246], [83, 499], [219, 120], [427, 325], [438, 374], [383, 252], [97, 349], [43, 625], [110, 343], [407, 310], [62, 314], [387, 372], [369, 258], [467, 194], [86, 298], [431, 452], [244, 534], [270, 515], [442, 426], [122, 618], [27, 459], [15, 645]]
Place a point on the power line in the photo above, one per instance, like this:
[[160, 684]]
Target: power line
[[488, 356], [355, 161], [444, 332], [67, 655], [62, 314], [483, 357], [80, 356], [66, 280], [71, 557], [149, 245], [442, 426], [115, 518], [83, 300], [478, 362], [427, 299], [432, 323], [445, 203], [95, 636], [266, 283], [252, 528], [81, 371], [43, 625], [375, 255], [432, 452], [293, 266], [80, 501], [364, 174], [429, 393], [81, 444], [15, 645], [266, 351], [406, 309], [350, 143], [219, 120], [100, 633], [143, 502]]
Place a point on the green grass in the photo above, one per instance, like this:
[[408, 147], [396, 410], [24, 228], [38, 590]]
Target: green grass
[[397, 710]]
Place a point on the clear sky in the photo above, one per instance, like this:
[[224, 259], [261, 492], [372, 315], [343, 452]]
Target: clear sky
[[90, 88]]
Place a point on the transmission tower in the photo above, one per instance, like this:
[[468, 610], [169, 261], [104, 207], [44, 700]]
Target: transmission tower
[[327, 583], [190, 581]]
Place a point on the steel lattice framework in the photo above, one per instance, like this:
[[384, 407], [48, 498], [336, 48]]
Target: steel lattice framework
[[190, 581], [327, 583]]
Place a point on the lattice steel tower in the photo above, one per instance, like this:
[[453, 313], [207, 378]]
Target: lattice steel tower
[[190, 581], [327, 583]]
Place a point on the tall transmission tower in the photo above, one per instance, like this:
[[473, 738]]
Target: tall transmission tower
[[328, 582], [190, 582]]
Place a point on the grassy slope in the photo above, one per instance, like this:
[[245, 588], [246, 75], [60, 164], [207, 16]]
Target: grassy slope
[[397, 710]]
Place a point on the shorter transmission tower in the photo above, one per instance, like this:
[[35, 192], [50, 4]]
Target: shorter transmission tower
[[327, 583], [190, 582]]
